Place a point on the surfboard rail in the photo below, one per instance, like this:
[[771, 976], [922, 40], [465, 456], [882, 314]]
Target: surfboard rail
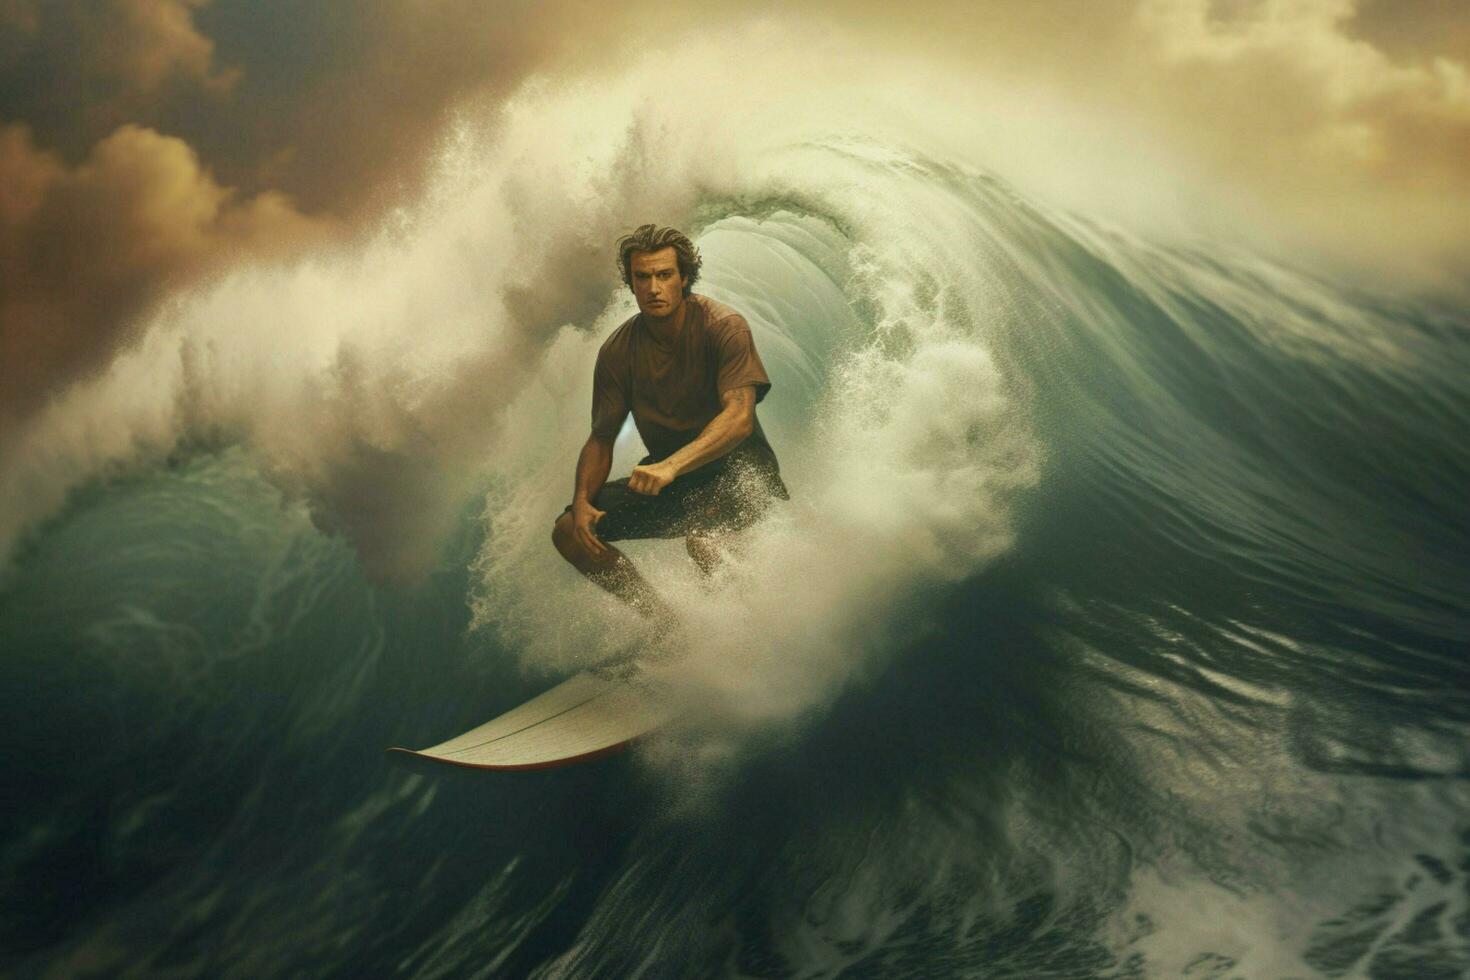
[[439, 760], [593, 714]]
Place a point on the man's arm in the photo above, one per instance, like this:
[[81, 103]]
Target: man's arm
[[593, 465], [609, 412], [725, 431]]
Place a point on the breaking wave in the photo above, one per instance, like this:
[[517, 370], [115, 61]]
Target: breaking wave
[[1115, 625]]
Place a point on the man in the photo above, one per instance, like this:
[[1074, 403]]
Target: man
[[686, 367]]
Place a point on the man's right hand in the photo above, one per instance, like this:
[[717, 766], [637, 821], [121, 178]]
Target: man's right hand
[[584, 522]]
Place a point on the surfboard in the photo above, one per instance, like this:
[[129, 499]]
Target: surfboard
[[587, 716]]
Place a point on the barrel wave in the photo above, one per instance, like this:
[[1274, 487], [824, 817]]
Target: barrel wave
[[1115, 626]]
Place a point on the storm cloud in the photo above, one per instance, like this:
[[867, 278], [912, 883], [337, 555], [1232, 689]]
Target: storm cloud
[[139, 153], [84, 248]]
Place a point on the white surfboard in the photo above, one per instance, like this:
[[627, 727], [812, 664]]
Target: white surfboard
[[589, 715]]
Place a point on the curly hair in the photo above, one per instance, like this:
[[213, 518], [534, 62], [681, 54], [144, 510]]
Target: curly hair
[[651, 238]]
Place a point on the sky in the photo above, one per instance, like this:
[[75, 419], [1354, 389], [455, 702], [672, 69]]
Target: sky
[[147, 145]]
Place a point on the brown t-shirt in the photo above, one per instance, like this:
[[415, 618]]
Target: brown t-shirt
[[674, 391]]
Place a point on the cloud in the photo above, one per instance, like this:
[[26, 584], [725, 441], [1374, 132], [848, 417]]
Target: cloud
[[85, 249], [1351, 149], [1308, 38], [338, 103], [79, 68], [144, 43], [343, 105], [110, 110]]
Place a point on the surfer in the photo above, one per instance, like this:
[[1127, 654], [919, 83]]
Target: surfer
[[686, 367]]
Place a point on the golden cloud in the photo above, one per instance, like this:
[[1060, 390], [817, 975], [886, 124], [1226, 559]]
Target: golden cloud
[[85, 249], [146, 42]]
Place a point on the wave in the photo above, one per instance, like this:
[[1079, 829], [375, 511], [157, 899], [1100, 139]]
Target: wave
[[1113, 627]]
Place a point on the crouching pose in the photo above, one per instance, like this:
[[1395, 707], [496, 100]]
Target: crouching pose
[[687, 368]]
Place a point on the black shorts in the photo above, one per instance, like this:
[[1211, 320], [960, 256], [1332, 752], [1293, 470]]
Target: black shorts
[[727, 494]]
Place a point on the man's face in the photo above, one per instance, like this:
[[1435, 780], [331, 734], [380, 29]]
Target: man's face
[[656, 282]]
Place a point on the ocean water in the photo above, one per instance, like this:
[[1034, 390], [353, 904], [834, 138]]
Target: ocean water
[[1116, 626]]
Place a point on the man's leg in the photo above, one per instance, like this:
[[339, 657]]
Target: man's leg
[[729, 505], [611, 570], [708, 548]]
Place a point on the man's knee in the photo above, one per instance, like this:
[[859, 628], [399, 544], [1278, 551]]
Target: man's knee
[[564, 538], [706, 549]]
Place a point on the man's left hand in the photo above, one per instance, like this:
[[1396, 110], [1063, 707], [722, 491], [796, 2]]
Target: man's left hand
[[651, 479]]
